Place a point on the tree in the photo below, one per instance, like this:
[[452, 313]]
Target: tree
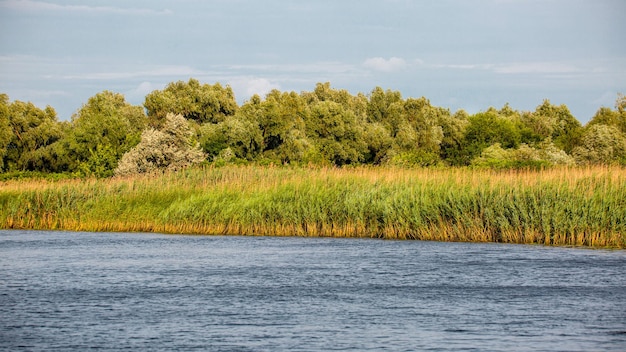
[[337, 133], [102, 130], [453, 128], [5, 128], [381, 103], [324, 92], [617, 117], [26, 130], [379, 143], [555, 122], [485, 129], [194, 101], [425, 119], [280, 114], [172, 148], [601, 144], [241, 136]]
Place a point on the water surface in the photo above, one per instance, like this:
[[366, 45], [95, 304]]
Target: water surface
[[119, 291]]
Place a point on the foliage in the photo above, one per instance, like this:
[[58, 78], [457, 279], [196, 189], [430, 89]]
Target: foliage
[[485, 129], [172, 148], [557, 206], [194, 101], [453, 128], [5, 128], [103, 130], [557, 123], [25, 133], [616, 118], [383, 106], [379, 143], [242, 137], [337, 133], [601, 144], [523, 157], [325, 126]]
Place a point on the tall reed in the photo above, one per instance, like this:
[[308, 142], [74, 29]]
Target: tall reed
[[562, 206]]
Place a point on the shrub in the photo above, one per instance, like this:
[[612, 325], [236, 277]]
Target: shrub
[[172, 148]]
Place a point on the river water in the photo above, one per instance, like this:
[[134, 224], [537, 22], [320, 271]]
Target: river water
[[116, 291]]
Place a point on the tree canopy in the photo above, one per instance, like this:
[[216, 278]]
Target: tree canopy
[[190, 122], [194, 101]]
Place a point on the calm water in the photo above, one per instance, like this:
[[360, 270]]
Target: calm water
[[78, 291]]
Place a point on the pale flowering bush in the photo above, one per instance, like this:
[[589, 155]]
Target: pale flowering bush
[[545, 154], [172, 148], [601, 144], [552, 154]]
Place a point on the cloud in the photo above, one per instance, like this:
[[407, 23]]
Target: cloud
[[245, 87], [139, 93], [381, 64], [536, 67], [158, 71], [32, 5], [555, 68], [316, 67]]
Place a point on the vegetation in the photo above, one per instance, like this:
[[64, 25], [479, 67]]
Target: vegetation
[[324, 127], [557, 206], [318, 163]]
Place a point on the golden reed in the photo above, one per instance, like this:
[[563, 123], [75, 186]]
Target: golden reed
[[560, 206]]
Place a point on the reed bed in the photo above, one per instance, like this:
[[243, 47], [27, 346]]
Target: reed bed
[[561, 206]]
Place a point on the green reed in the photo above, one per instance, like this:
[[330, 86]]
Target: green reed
[[563, 206]]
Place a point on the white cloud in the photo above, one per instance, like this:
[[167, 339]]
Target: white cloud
[[316, 67], [557, 68], [32, 5], [536, 67], [139, 93], [384, 65], [157, 71], [245, 87]]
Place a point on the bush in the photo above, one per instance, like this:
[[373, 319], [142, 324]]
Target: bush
[[172, 148]]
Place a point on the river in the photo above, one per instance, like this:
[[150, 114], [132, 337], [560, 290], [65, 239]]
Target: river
[[69, 291]]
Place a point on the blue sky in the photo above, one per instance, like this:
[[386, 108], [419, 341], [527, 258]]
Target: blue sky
[[459, 54]]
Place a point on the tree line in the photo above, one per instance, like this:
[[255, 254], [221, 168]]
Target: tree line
[[189, 122]]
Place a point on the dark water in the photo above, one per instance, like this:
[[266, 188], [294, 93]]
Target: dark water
[[79, 291]]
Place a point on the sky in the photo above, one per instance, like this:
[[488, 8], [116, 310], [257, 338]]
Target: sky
[[460, 54]]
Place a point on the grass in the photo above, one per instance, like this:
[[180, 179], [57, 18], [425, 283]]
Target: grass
[[561, 206]]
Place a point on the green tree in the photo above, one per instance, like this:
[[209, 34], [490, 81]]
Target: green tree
[[172, 148], [102, 130], [241, 136], [453, 128], [281, 113], [280, 118], [379, 143], [5, 128], [194, 101], [26, 131], [555, 122], [337, 133], [324, 92], [609, 117], [485, 129], [425, 121], [601, 144], [381, 108]]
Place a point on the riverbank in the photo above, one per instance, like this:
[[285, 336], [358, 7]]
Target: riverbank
[[561, 206]]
